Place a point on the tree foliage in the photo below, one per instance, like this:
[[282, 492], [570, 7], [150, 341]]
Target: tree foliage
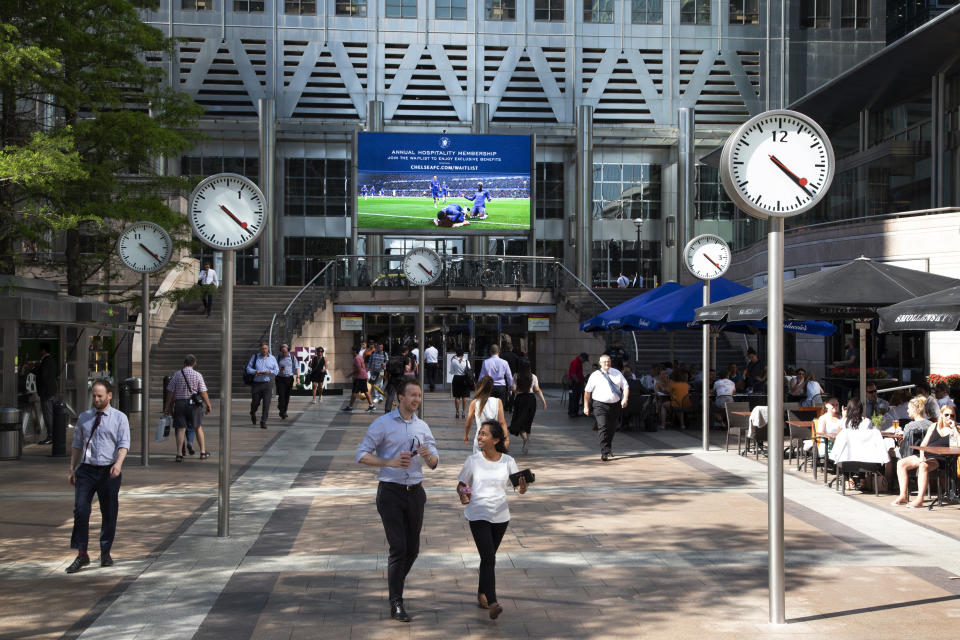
[[89, 122]]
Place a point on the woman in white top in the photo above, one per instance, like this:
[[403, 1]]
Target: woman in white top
[[484, 407], [814, 392], [483, 484], [858, 440], [459, 367]]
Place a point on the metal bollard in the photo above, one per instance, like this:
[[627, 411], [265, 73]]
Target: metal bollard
[[59, 432]]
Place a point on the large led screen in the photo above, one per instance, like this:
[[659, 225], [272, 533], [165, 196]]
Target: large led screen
[[456, 183]]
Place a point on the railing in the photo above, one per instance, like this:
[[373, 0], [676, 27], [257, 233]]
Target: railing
[[312, 296]]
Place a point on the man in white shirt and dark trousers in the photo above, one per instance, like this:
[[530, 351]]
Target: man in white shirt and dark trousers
[[208, 282], [100, 444], [400, 444], [431, 359], [609, 391], [288, 376]]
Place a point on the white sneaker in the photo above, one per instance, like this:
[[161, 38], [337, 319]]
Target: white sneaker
[[314, 401]]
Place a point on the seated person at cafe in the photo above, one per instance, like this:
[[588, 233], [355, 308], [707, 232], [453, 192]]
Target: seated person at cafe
[[938, 435], [829, 422], [933, 407], [756, 375], [859, 440], [797, 387], [813, 392], [650, 380], [723, 390], [899, 404], [942, 393], [734, 374], [916, 426], [875, 405], [679, 390]]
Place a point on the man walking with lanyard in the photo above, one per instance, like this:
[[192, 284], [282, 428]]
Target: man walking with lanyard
[[288, 376], [609, 390], [264, 368], [100, 444], [400, 444]]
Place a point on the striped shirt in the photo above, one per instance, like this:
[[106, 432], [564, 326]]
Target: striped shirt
[[178, 385]]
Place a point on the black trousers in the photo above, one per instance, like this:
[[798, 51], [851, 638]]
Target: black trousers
[[608, 419], [207, 303], [284, 387], [390, 393], [92, 479], [261, 391], [576, 396], [401, 511], [432, 374], [501, 392], [487, 536]]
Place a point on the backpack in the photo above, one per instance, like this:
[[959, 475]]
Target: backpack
[[395, 367], [248, 377]]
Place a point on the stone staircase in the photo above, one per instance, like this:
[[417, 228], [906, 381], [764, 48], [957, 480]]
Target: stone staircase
[[190, 331]]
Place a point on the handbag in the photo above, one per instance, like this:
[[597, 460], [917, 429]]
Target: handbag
[[247, 376], [195, 398], [163, 428], [468, 377]]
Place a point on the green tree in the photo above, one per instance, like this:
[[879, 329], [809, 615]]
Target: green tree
[[116, 112]]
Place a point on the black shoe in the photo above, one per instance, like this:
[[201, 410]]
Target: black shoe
[[263, 425], [604, 457], [397, 612], [283, 415], [190, 450], [105, 559], [78, 563], [253, 417]]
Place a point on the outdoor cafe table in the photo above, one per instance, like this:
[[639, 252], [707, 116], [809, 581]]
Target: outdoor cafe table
[[951, 454]]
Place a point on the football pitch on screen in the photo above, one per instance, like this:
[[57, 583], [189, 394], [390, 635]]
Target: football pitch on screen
[[418, 213]]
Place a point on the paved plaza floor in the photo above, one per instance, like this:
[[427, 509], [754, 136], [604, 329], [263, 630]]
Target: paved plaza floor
[[665, 540]]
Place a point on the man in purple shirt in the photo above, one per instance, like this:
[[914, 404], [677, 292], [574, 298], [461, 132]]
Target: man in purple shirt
[[498, 369]]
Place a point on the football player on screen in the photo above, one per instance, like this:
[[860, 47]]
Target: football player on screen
[[435, 190], [480, 198], [452, 215]]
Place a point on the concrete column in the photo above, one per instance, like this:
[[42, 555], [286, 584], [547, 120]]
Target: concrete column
[[475, 245], [374, 242], [267, 134], [8, 380], [938, 139], [584, 203], [686, 181]]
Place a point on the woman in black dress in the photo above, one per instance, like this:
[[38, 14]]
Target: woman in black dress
[[525, 385], [318, 372], [460, 384]]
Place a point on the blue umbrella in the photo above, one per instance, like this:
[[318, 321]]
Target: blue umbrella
[[676, 311], [610, 319]]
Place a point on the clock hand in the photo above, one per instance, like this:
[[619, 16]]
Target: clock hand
[[243, 225], [710, 260], [144, 247], [429, 273], [801, 182]]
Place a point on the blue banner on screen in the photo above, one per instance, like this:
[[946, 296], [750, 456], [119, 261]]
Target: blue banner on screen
[[465, 183]]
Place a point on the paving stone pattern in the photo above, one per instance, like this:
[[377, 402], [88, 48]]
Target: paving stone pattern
[[663, 540]]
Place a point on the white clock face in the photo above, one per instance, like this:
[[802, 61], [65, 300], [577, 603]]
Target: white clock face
[[422, 266], [707, 256], [778, 164], [145, 247], [227, 211]]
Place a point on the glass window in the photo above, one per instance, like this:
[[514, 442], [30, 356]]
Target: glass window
[[401, 8], [744, 11], [305, 257], [355, 8], [695, 11], [598, 11], [549, 182], [815, 14], [854, 14], [300, 7], [626, 191], [315, 187], [501, 10], [196, 5], [207, 166], [451, 10], [647, 12], [248, 6], [711, 201], [548, 10]]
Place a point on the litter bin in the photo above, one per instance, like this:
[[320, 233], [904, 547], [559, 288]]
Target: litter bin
[[59, 433], [123, 390], [11, 438], [135, 391]]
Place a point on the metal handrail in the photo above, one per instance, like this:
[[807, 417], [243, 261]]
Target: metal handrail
[[308, 285]]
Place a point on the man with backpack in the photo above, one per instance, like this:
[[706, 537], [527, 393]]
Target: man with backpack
[[394, 374], [264, 368]]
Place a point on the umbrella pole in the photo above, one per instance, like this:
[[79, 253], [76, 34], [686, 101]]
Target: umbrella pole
[[705, 372], [862, 327]]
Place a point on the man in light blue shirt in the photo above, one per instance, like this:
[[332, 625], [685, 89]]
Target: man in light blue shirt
[[264, 368], [400, 443], [498, 369], [100, 444]]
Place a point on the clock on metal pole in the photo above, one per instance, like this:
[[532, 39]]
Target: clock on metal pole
[[145, 247], [776, 165], [227, 212], [707, 256]]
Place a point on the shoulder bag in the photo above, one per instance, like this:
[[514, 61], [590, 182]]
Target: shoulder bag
[[247, 376]]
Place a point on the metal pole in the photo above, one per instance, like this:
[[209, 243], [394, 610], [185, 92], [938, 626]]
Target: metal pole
[[226, 391], [862, 328], [145, 373], [705, 372], [421, 334], [775, 417]]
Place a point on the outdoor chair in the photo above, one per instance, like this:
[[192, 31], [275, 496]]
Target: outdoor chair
[[797, 437], [759, 438], [736, 424], [849, 467]]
